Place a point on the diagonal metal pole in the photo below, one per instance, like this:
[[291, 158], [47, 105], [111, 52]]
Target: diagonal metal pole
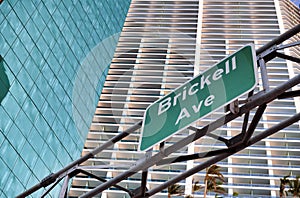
[[51, 187], [261, 109], [245, 122], [144, 182], [291, 58], [63, 191], [224, 155]]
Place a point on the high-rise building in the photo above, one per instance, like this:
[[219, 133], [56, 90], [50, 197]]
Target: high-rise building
[[162, 45], [54, 58]]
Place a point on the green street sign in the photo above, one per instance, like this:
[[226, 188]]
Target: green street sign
[[214, 88]]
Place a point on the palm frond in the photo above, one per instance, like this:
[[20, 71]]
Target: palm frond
[[214, 178], [175, 189]]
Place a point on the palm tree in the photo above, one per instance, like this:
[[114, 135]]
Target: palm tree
[[295, 186], [175, 189], [196, 187], [213, 179], [283, 182]]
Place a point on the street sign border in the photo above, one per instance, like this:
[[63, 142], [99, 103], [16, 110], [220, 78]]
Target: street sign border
[[252, 46]]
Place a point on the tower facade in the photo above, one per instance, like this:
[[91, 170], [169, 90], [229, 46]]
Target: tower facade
[[54, 57], [162, 45]]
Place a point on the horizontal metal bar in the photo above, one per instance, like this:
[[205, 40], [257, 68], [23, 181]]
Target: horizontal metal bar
[[289, 94]]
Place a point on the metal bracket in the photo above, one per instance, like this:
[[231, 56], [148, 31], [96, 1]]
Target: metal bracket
[[267, 53], [234, 107]]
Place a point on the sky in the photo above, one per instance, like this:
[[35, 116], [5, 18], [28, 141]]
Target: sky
[[297, 2]]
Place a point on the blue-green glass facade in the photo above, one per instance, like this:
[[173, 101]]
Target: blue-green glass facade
[[54, 58]]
